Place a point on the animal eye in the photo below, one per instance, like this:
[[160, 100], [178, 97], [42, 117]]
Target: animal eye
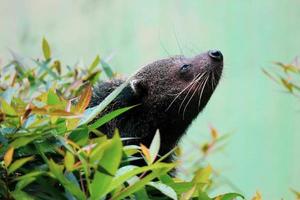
[[184, 68]]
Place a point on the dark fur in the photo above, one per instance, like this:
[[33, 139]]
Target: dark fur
[[155, 86]]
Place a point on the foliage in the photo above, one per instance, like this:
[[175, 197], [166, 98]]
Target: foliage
[[287, 75], [47, 151]]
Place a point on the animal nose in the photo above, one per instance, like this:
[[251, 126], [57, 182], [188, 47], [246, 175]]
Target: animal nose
[[216, 54]]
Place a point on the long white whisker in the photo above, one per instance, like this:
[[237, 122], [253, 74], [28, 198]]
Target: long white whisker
[[191, 87], [198, 87], [196, 77], [202, 92]]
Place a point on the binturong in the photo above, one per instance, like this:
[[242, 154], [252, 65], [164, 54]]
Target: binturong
[[170, 93]]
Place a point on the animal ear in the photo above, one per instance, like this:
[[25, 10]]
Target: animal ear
[[138, 87]]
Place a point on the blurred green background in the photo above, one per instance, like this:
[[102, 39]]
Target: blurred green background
[[263, 152]]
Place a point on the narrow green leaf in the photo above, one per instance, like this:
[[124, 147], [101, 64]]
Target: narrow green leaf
[[110, 162], [57, 171], [24, 182], [129, 171], [94, 64], [106, 118], [19, 163], [30, 175], [22, 141], [18, 194], [139, 184], [46, 49], [230, 196], [8, 109], [165, 189], [107, 69], [154, 147], [69, 161]]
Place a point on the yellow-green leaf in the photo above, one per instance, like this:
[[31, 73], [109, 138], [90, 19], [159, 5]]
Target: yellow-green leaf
[[6, 108], [69, 161], [46, 49], [19, 163], [8, 156], [94, 64]]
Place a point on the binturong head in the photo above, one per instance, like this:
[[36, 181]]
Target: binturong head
[[179, 86]]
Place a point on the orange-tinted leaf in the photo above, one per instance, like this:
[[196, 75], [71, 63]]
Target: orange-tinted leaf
[[296, 193], [257, 196], [8, 156], [42, 111], [146, 153], [26, 113], [214, 133], [287, 84], [57, 66], [62, 113], [85, 99]]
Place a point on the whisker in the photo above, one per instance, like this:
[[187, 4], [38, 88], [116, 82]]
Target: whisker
[[195, 82], [202, 92], [198, 87], [196, 77]]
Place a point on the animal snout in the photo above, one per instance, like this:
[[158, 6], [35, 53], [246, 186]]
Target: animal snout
[[216, 55]]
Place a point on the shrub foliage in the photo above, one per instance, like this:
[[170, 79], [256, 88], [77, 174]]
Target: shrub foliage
[[46, 150]]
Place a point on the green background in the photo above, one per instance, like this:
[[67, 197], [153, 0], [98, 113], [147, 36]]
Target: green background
[[263, 152]]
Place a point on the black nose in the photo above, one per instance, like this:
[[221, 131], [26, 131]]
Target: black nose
[[216, 54]]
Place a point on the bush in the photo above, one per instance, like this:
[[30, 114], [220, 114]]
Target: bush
[[46, 150]]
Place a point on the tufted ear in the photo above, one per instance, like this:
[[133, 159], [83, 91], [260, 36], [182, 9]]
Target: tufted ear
[[138, 87]]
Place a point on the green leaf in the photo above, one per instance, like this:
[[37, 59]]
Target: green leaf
[[22, 141], [57, 171], [53, 99], [80, 135], [8, 109], [23, 183], [107, 69], [18, 194], [110, 162], [106, 118], [203, 175], [181, 187], [98, 151], [69, 161], [154, 147], [46, 49], [19, 163], [30, 175], [188, 195], [229, 196], [140, 184], [129, 171], [94, 64], [204, 196], [165, 189], [141, 194]]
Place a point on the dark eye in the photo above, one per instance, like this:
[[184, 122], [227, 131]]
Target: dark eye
[[184, 68]]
